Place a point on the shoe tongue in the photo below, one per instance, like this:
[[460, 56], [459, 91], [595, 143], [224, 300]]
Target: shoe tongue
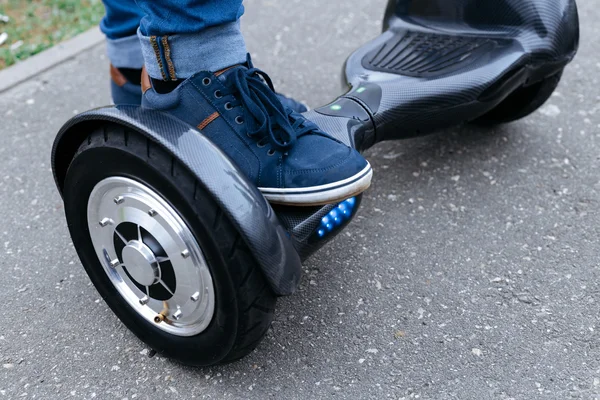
[[225, 72]]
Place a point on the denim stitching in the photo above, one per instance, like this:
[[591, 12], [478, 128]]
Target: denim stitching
[[154, 43], [171, 67]]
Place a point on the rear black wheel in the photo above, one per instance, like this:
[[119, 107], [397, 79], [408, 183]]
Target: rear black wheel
[[162, 253], [522, 102]]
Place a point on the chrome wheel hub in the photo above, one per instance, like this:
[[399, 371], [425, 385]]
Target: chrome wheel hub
[[151, 256], [141, 263]]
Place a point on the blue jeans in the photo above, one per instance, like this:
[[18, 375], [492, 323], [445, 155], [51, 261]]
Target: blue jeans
[[174, 38]]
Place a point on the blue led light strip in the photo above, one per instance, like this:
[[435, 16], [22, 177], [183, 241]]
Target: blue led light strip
[[336, 217]]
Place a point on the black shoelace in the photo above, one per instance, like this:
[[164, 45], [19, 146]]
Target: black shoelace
[[266, 118]]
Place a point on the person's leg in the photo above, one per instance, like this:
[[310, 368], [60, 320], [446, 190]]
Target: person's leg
[[182, 37], [197, 70], [120, 25]]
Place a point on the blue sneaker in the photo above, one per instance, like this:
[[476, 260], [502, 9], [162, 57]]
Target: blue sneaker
[[125, 92], [289, 159]]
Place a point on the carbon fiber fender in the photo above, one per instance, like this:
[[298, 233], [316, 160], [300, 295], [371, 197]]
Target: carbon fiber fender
[[240, 200]]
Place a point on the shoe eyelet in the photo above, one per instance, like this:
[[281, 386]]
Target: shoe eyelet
[[218, 94], [206, 81], [260, 145], [228, 106], [271, 152], [239, 120]]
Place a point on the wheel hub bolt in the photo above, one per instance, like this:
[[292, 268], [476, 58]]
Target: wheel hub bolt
[[195, 296], [152, 213], [105, 221], [144, 300], [119, 199], [178, 314], [114, 263], [185, 253]]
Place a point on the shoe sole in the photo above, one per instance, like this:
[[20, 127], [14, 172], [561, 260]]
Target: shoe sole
[[321, 195]]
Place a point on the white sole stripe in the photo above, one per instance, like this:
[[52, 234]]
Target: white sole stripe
[[321, 188]]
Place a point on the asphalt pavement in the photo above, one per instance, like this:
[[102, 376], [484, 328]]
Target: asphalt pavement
[[471, 272]]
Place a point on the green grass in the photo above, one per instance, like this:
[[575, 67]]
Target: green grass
[[41, 24]]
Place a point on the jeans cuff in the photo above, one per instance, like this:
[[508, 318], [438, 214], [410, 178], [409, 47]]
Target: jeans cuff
[[181, 56], [125, 52]]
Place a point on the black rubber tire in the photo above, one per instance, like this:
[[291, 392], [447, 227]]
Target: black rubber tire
[[244, 302], [522, 102]]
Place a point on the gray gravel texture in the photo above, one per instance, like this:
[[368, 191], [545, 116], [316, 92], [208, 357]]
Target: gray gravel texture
[[471, 272]]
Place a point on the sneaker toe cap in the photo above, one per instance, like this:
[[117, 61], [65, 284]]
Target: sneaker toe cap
[[321, 161]]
